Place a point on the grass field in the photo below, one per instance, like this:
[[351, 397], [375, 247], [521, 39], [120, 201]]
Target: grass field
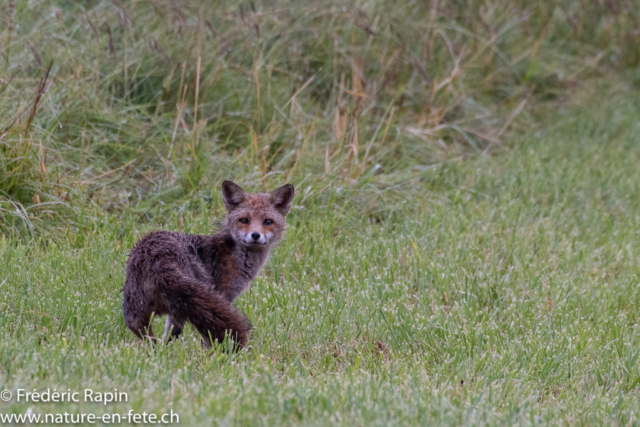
[[466, 253]]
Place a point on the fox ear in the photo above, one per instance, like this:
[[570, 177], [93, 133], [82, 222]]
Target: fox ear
[[232, 194], [282, 198]]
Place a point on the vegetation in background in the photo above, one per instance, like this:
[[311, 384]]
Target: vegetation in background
[[465, 239], [157, 101]]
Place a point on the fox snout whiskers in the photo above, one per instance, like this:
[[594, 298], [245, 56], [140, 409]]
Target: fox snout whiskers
[[255, 238]]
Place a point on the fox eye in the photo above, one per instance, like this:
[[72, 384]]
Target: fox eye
[[268, 221], [244, 220]]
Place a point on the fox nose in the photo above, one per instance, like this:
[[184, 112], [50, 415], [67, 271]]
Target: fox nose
[[255, 235]]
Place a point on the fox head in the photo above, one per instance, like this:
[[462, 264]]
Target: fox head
[[256, 220]]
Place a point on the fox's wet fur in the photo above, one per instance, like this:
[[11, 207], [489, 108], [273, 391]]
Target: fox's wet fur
[[197, 278]]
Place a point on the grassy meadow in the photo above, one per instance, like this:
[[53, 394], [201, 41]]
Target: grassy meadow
[[464, 246]]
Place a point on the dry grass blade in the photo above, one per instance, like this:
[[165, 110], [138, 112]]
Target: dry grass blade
[[300, 90], [33, 104], [40, 91], [515, 113]]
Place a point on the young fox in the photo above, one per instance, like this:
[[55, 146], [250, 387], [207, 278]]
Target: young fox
[[197, 278]]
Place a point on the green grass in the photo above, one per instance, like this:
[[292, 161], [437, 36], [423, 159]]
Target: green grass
[[464, 246], [504, 292]]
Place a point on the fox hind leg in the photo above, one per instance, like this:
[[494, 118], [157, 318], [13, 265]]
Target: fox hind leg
[[137, 309], [173, 328]]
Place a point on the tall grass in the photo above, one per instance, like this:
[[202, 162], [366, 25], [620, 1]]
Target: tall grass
[[151, 101]]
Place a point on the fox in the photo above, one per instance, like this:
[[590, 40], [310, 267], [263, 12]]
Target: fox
[[197, 278]]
